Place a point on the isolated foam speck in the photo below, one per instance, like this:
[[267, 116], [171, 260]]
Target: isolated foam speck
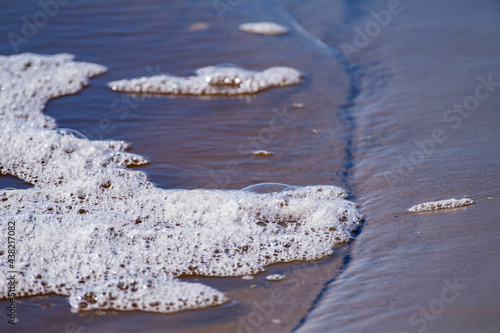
[[263, 28], [263, 153], [275, 277], [442, 204], [226, 79], [298, 105], [103, 235]]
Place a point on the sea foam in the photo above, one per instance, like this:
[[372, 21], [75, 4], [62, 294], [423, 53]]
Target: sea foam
[[442, 204], [103, 235], [263, 28], [225, 79]]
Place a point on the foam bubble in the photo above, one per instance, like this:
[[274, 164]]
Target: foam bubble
[[225, 79], [263, 153], [106, 237], [298, 105], [275, 277], [28, 81], [263, 28], [199, 26], [268, 188], [442, 204]]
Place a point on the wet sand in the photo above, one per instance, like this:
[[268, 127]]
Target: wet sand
[[434, 271]]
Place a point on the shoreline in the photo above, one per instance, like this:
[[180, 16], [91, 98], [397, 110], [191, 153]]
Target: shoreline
[[428, 271]]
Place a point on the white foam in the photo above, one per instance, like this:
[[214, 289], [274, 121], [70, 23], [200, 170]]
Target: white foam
[[263, 28], [263, 153], [442, 204], [275, 277], [298, 105], [226, 79], [28, 81], [105, 236]]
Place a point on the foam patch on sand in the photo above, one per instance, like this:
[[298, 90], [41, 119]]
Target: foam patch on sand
[[263, 28], [224, 79], [28, 81], [442, 204], [103, 235], [263, 153]]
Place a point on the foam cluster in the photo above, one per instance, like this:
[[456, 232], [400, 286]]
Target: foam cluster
[[263, 153], [226, 79], [103, 235], [263, 28], [28, 81], [442, 204], [275, 277]]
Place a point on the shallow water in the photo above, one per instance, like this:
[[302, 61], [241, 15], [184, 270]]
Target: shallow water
[[194, 142], [193, 154]]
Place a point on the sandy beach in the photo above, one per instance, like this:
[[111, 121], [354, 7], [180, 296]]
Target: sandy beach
[[398, 105]]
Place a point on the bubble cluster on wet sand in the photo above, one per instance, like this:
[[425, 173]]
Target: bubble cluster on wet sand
[[442, 204], [225, 79], [103, 235], [263, 28]]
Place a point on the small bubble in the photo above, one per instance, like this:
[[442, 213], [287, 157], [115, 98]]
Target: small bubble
[[275, 277], [263, 153], [298, 105]]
